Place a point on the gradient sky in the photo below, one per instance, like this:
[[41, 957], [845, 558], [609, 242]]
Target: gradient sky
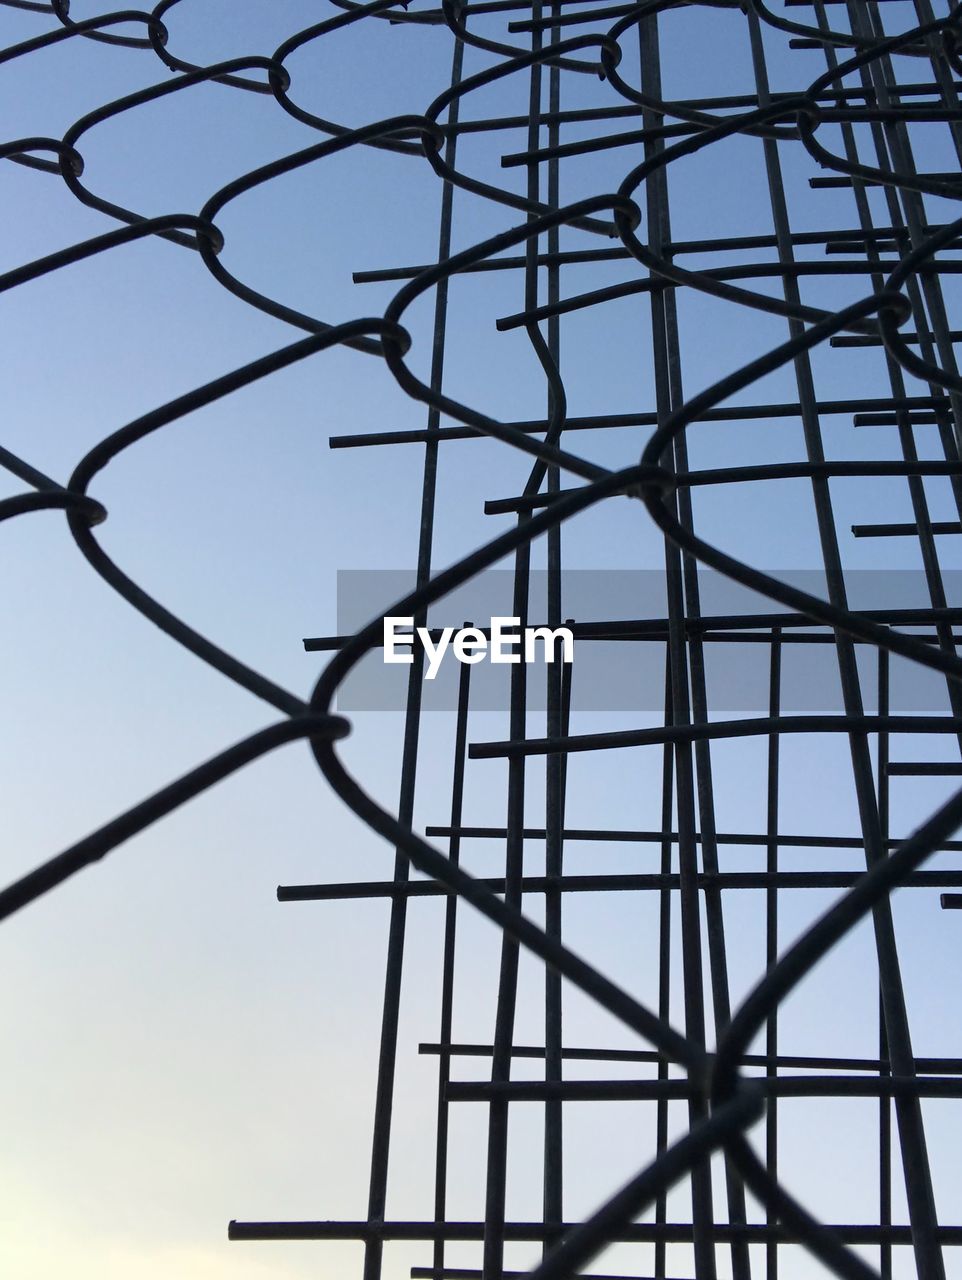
[[185, 1049]]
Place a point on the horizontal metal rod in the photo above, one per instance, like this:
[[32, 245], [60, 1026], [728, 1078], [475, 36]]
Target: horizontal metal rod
[[791, 4], [571, 19], [602, 835], [904, 530], [437, 16], [641, 628], [632, 137], [931, 1066], [670, 1232], [712, 731], [867, 340], [324, 644], [736, 413], [850, 240], [830, 1086], [732, 102], [741, 475], [475, 1273], [613, 883], [508, 6], [892, 419], [742, 271], [923, 769]]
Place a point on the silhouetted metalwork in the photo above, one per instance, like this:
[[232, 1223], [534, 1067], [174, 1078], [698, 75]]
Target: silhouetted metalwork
[[903, 263]]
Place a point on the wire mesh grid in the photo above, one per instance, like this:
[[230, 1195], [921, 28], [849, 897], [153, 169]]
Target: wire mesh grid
[[855, 123]]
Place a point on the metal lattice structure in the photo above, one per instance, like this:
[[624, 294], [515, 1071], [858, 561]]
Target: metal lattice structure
[[881, 80]]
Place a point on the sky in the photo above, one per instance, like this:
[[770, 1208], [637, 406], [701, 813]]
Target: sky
[[185, 1049]]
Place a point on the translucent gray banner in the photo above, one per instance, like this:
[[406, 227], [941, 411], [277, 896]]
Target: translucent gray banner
[[621, 666]]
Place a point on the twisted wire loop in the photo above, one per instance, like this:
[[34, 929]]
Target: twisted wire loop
[[897, 273]]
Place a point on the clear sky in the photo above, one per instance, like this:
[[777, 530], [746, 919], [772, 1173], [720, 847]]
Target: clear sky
[[183, 1049]]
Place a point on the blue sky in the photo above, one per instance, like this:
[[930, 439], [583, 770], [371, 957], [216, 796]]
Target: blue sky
[[186, 1049]]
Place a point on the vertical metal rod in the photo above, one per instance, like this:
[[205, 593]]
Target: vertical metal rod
[[714, 918], [692, 975], [896, 378], [387, 1055], [883, 80], [664, 958], [553, 1199], [885, 1104], [918, 1182], [496, 1188], [497, 1155], [916, 487], [447, 962], [771, 933]]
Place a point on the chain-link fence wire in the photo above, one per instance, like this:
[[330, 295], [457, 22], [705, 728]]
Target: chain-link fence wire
[[902, 265]]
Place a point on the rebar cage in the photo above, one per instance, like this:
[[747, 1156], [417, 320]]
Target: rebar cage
[[686, 229]]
